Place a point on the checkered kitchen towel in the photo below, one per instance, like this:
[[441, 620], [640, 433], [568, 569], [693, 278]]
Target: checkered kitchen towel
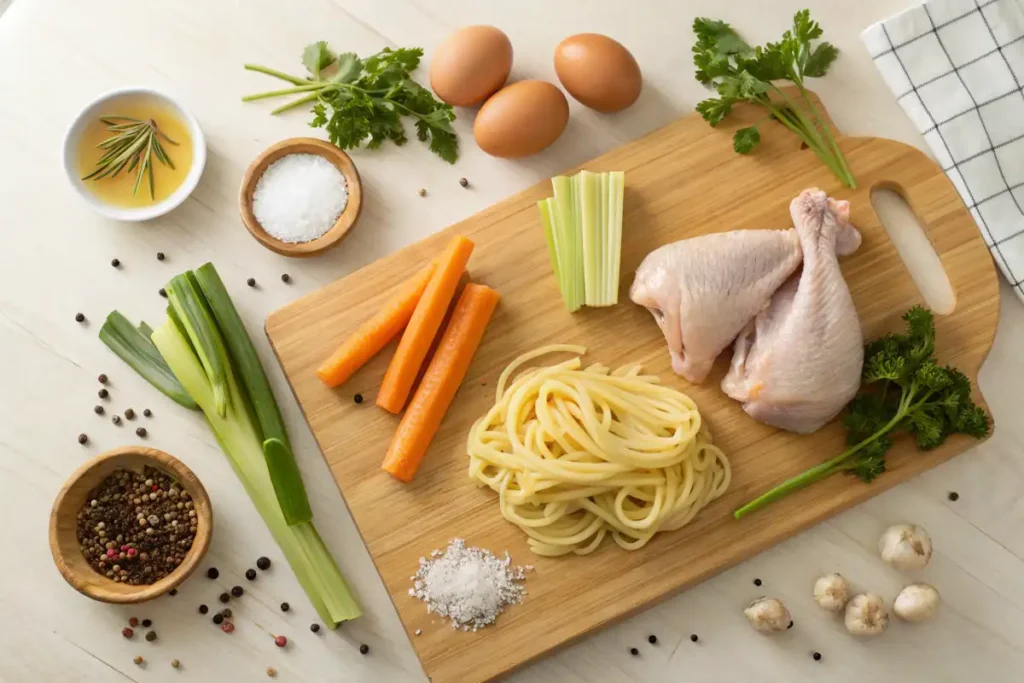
[[957, 68]]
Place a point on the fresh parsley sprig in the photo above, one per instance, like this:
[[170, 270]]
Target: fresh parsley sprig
[[741, 73], [363, 101], [903, 389]]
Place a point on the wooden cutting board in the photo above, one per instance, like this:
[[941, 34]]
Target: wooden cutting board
[[681, 181]]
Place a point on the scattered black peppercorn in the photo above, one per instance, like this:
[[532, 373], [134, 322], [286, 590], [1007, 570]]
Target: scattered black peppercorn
[[694, 638], [790, 625], [160, 256], [212, 573], [115, 262], [226, 612], [141, 432], [203, 609], [358, 398], [102, 379], [263, 563], [163, 292], [757, 582], [218, 618], [652, 639], [817, 656], [146, 623], [635, 652], [147, 412], [364, 648], [98, 410], [285, 607], [286, 278], [237, 591], [116, 419], [129, 414], [103, 393], [315, 628], [79, 317], [224, 597], [151, 636], [463, 182], [174, 591], [954, 496], [250, 574], [251, 282], [83, 439]]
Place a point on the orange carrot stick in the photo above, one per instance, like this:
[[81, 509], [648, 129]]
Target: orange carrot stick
[[442, 379], [423, 326], [375, 333]]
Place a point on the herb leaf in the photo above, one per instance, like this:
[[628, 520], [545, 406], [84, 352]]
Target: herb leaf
[[741, 73], [745, 140], [363, 102]]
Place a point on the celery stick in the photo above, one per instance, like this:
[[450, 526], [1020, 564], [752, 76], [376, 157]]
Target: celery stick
[[548, 214], [606, 216], [618, 192], [567, 242], [589, 200]]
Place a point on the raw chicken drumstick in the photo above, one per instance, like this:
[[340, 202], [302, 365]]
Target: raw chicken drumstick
[[703, 291], [799, 361]]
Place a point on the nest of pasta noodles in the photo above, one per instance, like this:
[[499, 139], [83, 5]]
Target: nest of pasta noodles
[[576, 454]]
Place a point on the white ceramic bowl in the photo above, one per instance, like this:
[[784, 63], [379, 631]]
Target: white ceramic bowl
[[97, 108]]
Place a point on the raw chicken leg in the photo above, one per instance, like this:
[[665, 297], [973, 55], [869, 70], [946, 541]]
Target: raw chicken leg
[[799, 361], [703, 291]]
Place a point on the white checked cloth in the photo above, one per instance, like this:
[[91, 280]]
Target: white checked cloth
[[957, 69]]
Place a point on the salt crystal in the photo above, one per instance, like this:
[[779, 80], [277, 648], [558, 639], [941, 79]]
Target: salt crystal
[[469, 586], [299, 197]]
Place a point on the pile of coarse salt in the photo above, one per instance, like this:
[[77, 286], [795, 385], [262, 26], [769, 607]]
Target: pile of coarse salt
[[469, 586], [299, 197]]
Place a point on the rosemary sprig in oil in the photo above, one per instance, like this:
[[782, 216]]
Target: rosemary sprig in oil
[[132, 145]]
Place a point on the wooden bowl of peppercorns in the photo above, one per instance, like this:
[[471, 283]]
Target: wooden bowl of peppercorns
[[130, 525]]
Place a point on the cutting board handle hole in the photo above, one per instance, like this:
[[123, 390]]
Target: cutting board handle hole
[[914, 247]]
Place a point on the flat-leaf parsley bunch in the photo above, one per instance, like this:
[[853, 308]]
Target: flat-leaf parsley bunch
[[362, 101], [741, 73]]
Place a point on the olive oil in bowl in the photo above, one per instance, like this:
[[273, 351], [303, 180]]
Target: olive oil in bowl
[[122, 189]]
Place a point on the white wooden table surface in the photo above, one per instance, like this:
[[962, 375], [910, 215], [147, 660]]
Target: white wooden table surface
[[54, 261]]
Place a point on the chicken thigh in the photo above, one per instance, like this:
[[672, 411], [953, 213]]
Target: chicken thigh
[[798, 363], [703, 291]]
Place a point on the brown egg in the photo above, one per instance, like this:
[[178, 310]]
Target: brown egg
[[598, 71], [521, 119], [470, 65]]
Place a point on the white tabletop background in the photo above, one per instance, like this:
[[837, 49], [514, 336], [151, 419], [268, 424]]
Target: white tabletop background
[[55, 55]]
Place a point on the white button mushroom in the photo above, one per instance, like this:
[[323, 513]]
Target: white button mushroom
[[866, 615], [917, 602], [768, 615], [906, 546], [832, 592]]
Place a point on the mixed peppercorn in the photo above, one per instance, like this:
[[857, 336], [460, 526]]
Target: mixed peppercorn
[[136, 527]]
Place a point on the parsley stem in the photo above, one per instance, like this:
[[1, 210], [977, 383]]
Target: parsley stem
[[286, 91], [819, 472], [847, 176], [276, 74]]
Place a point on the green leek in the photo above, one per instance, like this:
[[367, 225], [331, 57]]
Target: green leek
[[135, 349], [203, 345]]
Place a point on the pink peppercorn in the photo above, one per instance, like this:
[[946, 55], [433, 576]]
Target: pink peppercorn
[[133, 621], [280, 641], [227, 627], [124, 548], [155, 487], [131, 552], [111, 552], [127, 632]]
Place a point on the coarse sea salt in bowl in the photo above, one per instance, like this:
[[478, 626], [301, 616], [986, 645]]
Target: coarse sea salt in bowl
[[295, 204]]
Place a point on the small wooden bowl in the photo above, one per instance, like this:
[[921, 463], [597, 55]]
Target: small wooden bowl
[[345, 221], [64, 530]]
